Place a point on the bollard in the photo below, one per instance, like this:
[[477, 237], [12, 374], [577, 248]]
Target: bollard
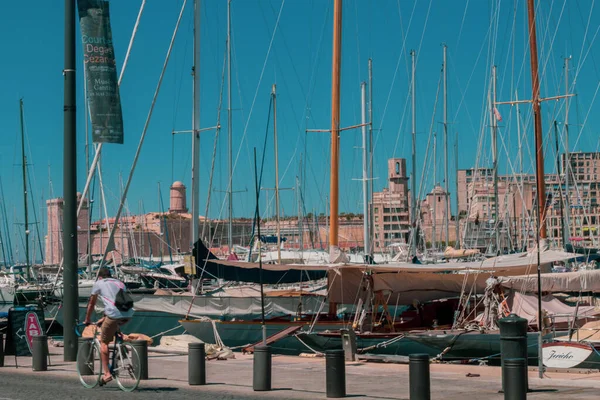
[[142, 349], [418, 377], [39, 352], [196, 364], [335, 374], [515, 386], [1, 350], [513, 342], [349, 344], [261, 379], [85, 364]]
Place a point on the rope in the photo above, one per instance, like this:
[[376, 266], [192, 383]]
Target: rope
[[167, 331], [307, 346]]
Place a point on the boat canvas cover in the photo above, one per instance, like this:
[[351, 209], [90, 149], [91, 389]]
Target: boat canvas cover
[[584, 281], [100, 71], [526, 306], [209, 266]]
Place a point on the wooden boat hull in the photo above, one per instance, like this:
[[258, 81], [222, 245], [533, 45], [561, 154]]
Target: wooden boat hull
[[571, 355]]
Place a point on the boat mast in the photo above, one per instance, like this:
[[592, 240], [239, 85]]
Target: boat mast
[[434, 207], [494, 126], [539, 158], [446, 187], [229, 135], [274, 94], [413, 178], [536, 101], [365, 179], [24, 161], [457, 240], [371, 227], [567, 164], [335, 125], [196, 128]]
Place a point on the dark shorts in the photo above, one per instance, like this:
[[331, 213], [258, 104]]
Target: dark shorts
[[110, 327]]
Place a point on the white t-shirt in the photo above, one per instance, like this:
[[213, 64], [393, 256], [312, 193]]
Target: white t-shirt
[[107, 290]]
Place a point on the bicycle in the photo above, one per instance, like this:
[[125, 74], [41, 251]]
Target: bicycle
[[124, 363]]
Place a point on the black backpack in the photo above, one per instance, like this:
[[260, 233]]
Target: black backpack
[[123, 300]]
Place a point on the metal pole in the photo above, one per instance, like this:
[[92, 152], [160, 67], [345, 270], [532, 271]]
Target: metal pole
[[567, 164], [335, 125], [257, 216], [522, 223], [24, 161], [457, 241], [371, 226], [413, 178], [274, 94], [229, 135], [494, 125], [446, 183], [366, 244], [434, 211], [196, 128], [70, 296]]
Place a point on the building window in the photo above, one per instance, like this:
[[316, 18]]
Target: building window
[[376, 209], [377, 218], [398, 168]]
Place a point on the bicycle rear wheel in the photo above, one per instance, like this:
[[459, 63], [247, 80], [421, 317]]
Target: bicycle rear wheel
[[89, 365], [126, 369]]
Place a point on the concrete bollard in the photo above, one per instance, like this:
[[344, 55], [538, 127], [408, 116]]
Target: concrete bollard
[[84, 363], [335, 374], [261, 376], [513, 342], [39, 352], [1, 350], [419, 379], [515, 385], [196, 364], [142, 349]]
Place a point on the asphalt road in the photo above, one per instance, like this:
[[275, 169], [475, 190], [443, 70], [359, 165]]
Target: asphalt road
[[19, 386]]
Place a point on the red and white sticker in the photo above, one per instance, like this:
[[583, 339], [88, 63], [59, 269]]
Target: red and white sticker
[[32, 327]]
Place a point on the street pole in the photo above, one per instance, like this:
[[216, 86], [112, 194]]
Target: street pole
[[70, 305]]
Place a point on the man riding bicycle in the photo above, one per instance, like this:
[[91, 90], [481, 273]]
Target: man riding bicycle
[[107, 288]]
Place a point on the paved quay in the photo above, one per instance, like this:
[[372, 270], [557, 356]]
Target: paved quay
[[293, 378]]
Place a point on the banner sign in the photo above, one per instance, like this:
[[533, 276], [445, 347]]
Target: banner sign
[[101, 71]]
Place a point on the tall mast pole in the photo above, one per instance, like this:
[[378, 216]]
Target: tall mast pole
[[494, 126], [413, 178], [335, 125], [522, 224], [434, 207], [370, 194], [70, 305], [539, 148], [457, 240], [365, 178], [567, 164], [24, 161], [274, 94], [539, 159], [229, 134], [196, 128], [446, 185]]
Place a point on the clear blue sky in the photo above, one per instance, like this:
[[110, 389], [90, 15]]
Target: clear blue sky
[[300, 63]]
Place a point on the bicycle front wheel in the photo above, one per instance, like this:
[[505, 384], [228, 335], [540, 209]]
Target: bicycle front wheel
[[126, 369], [89, 365]]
